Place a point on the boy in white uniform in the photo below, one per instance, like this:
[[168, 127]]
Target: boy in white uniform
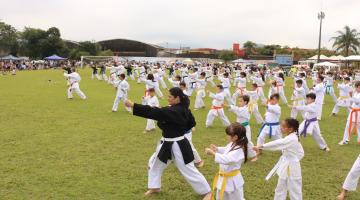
[[319, 91], [175, 82], [351, 180], [122, 87], [344, 100], [271, 127], [152, 101], [217, 108], [353, 120], [298, 98], [225, 82], [310, 125], [329, 80], [260, 84], [74, 80], [288, 167]]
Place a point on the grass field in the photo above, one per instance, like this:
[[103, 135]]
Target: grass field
[[55, 148]]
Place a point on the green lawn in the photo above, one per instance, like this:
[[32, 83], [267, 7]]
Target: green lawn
[[55, 148]]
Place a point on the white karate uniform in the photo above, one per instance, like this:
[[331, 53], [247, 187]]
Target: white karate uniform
[[161, 78], [114, 71], [344, 99], [243, 117], [217, 110], [319, 90], [280, 89], [121, 93], [329, 80], [74, 80], [272, 115], [352, 179], [288, 167], [355, 105], [200, 93], [313, 129], [197, 158], [225, 82], [153, 102], [260, 83], [253, 106], [230, 160], [298, 98], [241, 88], [174, 83]]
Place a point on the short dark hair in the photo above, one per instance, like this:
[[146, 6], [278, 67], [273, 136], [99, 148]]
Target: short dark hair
[[311, 96], [122, 75], [299, 81], [220, 87], [243, 74], [292, 123], [357, 84], [255, 85], [151, 90], [202, 74], [276, 96], [321, 78], [347, 78], [246, 98], [183, 84]]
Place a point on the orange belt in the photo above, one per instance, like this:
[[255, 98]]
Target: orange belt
[[354, 110], [216, 107], [241, 90]]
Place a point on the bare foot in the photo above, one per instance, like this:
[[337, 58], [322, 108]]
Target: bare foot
[[254, 159], [207, 196], [152, 191], [341, 196], [327, 149]]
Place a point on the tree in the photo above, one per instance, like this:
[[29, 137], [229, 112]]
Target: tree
[[226, 55], [347, 41], [106, 53], [249, 47], [91, 47], [8, 39]]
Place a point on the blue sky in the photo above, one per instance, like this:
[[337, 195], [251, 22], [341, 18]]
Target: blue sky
[[195, 23]]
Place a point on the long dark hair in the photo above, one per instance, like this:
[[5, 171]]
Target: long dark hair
[[242, 141], [184, 99]]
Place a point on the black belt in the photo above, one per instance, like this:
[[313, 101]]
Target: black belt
[[165, 151]]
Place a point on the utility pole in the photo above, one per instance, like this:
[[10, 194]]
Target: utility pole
[[321, 16]]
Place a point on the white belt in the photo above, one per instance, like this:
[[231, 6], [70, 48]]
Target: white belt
[[173, 139]]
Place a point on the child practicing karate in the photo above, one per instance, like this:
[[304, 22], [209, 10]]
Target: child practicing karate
[[200, 91], [241, 86], [298, 98], [319, 91], [353, 119], [150, 100], [351, 180], [310, 125], [253, 104], [243, 117], [122, 87], [217, 108], [271, 127], [288, 167], [344, 100], [228, 182], [74, 80]]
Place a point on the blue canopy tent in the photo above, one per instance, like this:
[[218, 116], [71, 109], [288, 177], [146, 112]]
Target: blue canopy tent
[[9, 57], [54, 57]]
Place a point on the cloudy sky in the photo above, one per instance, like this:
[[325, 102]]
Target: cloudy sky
[[195, 23]]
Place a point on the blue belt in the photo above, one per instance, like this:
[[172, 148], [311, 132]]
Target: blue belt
[[306, 125], [245, 124], [270, 125], [328, 89]]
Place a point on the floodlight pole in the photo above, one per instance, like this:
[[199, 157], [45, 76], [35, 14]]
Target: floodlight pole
[[321, 16]]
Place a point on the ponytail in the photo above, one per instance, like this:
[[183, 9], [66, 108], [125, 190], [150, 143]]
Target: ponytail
[[184, 99]]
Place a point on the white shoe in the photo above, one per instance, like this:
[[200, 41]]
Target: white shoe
[[343, 142]]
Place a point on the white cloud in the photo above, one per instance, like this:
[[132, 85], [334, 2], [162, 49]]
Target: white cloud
[[196, 23]]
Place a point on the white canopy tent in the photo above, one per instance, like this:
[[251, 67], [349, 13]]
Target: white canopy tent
[[352, 58], [326, 65]]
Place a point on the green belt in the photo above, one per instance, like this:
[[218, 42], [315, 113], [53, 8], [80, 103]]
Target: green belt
[[245, 124]]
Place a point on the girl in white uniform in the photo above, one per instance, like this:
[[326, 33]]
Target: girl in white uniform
[[175, 82], [288, 167], [351, 180], [319, 91], [329, 81], [228, 182], [200, 91], [271, 127], [253, 104], [310, 125], [150, 100], [241, 87], [280, 87], [225, 82], [217, 108], [344, 100], [260, 84], [122, 87], [353, 120]]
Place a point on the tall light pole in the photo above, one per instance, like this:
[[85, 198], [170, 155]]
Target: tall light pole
[[321, 16]]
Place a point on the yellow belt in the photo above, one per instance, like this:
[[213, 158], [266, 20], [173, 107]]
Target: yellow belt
[[343, 97], [225, 175], [296, 101], [251, 106]]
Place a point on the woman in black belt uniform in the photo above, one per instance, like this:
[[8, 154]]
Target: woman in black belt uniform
[[174, 121]]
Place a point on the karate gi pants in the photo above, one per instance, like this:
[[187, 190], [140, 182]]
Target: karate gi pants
[[315, 133], [117, 101], [150, 124], [237, 194], [352, 178], [189, 171], [216, 113], [199, 102], [276, 134], [293, 186], [197, 157], [346, 131], [77, 91]]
